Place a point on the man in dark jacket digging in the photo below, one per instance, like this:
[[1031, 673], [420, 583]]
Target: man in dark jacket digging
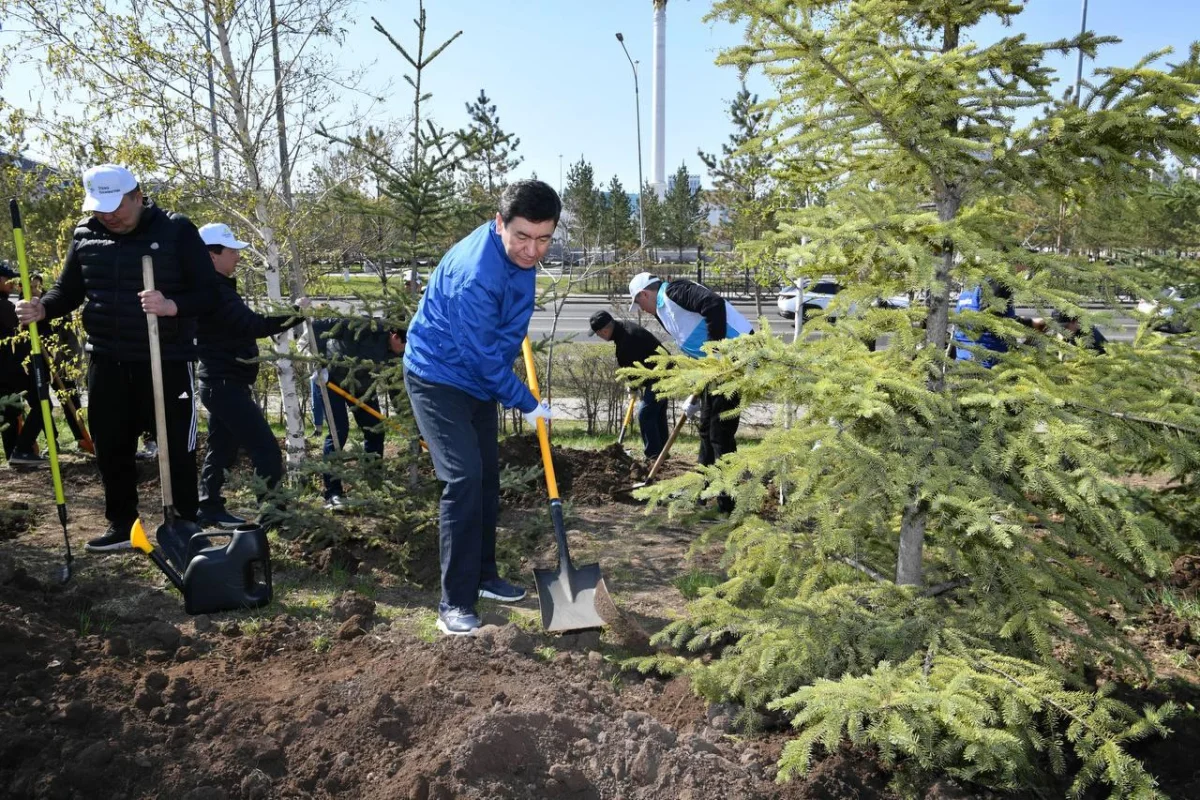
[[356, 352], [635, 344], [103, 274], [228, 347]]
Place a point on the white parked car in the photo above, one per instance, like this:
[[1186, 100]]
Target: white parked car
[[1163, 309], [819, 294]]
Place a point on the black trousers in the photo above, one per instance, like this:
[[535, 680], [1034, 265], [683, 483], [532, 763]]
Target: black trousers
[[718, 436], [120, 407], [234, 421]]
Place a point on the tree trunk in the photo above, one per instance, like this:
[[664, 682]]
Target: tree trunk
[[246, 142], [948, 196]]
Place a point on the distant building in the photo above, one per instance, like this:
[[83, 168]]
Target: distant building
[[693, 183]]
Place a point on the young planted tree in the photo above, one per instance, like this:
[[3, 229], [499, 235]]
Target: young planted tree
[[682, 213], [421, 184], [958, 534]]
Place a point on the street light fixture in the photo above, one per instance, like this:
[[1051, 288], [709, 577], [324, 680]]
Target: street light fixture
[[638, 108]]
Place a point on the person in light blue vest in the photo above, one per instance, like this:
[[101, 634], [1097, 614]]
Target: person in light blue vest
[[694, 314]]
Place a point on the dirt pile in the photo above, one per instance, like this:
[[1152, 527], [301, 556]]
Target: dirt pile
[[218, 710], [584, 476]]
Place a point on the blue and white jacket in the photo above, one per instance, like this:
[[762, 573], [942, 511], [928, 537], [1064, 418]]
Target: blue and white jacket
[[471, 321], [694, 314]]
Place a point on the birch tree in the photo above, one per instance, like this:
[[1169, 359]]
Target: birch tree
[[141, 74]]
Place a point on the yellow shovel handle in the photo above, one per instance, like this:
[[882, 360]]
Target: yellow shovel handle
[[543, 437]]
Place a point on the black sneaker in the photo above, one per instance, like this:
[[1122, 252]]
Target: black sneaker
[[500, 589], [457, 621], [335, 504], [114, 539], [218, 518], [26, 459]]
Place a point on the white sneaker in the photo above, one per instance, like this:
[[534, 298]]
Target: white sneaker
[[149, 452], [335, 504]]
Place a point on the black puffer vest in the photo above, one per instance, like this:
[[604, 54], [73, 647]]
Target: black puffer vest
[[111, 265]]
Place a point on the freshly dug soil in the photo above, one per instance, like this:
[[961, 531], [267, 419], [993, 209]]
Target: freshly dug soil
[[585, 476]]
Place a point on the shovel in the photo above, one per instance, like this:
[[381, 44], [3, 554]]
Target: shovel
[[628, 417], [349, 398], [42, 383], [567, 596], [658, 462], [175, 534]]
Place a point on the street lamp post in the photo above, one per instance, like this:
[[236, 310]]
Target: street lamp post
[[638, 108]]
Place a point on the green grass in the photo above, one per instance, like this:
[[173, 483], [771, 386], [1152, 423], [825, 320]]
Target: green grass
[[690, 584], [1186, 608]]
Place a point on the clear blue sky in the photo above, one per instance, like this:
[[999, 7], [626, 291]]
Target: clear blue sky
[[561, 83]]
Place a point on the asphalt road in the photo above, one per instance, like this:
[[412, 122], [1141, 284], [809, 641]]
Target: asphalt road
[[575, 315], [573, 321]]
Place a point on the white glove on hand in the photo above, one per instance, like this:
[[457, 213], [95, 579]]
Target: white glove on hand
[[540, 411], [692, 409]]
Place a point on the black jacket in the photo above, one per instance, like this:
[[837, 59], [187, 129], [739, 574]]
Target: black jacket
[[103, 273], [700, 299], [355, 352], [13, 350], [634, 344], [227, 339]]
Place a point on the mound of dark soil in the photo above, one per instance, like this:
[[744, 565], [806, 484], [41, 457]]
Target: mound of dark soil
[[221, 709], [585, 476]]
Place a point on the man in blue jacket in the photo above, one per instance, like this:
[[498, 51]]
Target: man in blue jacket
[[228, 347], [462, 343]]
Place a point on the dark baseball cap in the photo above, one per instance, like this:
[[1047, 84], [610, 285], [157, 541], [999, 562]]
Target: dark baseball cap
[[600, 319], [6, 270]]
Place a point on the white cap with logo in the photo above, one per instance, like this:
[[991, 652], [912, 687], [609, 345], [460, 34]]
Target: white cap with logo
[[637, 283], [104, 186], [219, 233]]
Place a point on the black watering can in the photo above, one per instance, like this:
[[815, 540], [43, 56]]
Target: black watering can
[[218, 577]]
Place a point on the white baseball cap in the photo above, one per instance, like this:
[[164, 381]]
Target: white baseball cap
[[104, 186], [639, 282], [219, 233]]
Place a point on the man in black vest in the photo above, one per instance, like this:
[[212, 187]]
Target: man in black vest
[[103, 274], [228, 345], [635, 344]]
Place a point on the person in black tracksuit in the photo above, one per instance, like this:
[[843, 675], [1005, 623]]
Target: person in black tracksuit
[[634, 344], [103, 274], [227, 341], [353, 350]]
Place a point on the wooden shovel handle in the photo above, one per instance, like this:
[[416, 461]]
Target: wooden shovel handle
[[658, 462], [156, 378]]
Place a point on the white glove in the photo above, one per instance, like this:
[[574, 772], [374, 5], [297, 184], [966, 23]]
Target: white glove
[[540, 411], [692, 409]]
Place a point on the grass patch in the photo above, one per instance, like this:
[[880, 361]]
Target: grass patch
[[322, 643], [426, 625], [690, 584], [1185, 608]]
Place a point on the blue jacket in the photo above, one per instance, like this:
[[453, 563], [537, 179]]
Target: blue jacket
[[471, 321]]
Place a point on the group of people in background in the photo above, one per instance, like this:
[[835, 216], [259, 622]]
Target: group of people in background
[[458, 356], [202, 321]]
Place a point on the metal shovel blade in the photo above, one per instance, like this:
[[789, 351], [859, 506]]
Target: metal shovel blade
[[568, 597]]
